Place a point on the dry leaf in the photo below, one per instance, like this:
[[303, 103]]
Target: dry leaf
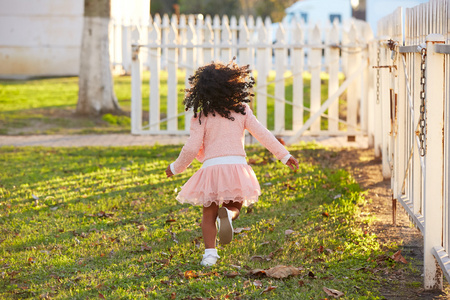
[[190, 274], [332, 292], [257, 283], [282, 271], [301, 283], [231, 274], [257, 272], [269, 288], [239, 230], [289, 231], [260, 258], [142, 228], [398, 257], [173, 295], [101, 296]]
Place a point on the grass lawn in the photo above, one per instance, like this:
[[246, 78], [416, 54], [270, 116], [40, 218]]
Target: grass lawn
[[47, 106], [103, 223]]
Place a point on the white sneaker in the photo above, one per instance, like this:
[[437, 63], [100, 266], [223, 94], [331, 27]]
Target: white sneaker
[[225, 226], [209, 260]]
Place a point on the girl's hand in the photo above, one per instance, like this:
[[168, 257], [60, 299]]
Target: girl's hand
[[292, 163], [169, 171]]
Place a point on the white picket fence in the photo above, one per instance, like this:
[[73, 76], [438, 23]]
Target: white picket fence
[[414, 106], [178, 46]]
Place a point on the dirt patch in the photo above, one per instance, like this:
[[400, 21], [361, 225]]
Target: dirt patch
[[366, 169]]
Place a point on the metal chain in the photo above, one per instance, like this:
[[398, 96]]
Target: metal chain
[[422, 137], [378, 75]]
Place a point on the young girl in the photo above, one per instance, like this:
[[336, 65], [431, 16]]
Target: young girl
[[219, 95]]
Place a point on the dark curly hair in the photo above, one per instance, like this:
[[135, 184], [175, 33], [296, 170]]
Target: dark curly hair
[[219, 88]]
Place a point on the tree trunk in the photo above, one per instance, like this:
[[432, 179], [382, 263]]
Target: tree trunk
[[96, 93]]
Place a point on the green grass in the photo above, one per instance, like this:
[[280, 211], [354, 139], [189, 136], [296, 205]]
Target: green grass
[[82, 223], [47, 106]]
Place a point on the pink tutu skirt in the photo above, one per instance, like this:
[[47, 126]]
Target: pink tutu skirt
[[221, 184]]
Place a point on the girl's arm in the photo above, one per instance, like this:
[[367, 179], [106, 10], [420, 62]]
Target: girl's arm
[[265, 137], [190, 149]]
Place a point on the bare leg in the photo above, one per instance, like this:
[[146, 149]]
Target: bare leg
[[234, 208], [209, 225]]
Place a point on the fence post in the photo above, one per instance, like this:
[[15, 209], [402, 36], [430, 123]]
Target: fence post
[[434, 161], [353, 91], [333, 81], [261, 87], [280, 58], [172, 91], [298, 57], [225, 53], [217, 33], [385, 110], [136, 92], [155, 69], [315, 67], [190, 67]]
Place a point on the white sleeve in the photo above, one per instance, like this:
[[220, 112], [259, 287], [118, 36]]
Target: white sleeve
[[285, 159], [172, 169]]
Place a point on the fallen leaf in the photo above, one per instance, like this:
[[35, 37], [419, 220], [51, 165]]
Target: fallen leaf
[[257, 283], [239, 230], [398, 257], [173, 295], [301, 283], [142, 228], [332, 292], [269, 288], [231, 274], [260, 258], [170, 220], [35, 197], [101, 296], [311, 275], [289, 231], [190, 274], [325, 214], [337, 196], [281, 271], [256, 272]]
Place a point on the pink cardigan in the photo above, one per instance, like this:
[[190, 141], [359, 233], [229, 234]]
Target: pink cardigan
[[218, 136]]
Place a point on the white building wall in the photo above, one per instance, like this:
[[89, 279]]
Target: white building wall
[[43, 37]]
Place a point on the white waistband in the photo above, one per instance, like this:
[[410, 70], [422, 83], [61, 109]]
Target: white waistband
[[225, 160]]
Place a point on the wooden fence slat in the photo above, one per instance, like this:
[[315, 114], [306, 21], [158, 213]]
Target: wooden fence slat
[[333, 81], [190, 67], [261, 87], [298, 57], [155, 74], [208, 50], [136, 93], [280, 58], [434, 162], [353, 92], [225, 52], [172, 91], [315, 66]]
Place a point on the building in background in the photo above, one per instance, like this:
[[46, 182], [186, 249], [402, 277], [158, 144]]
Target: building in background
[[320, 11], [43, 37]]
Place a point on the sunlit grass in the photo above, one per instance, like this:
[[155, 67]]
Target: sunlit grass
[[77, 223]]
